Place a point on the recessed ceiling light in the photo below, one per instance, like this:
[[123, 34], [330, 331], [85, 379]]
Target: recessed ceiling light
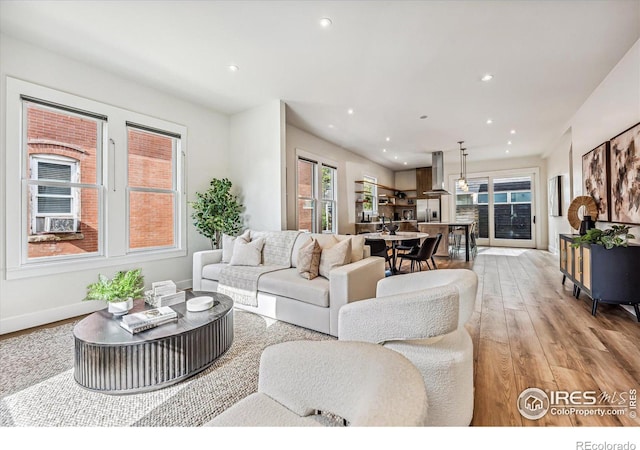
[[487, 77], [508, 142], [331, 125], [489, 121], [233, 68], [384, 150], [506, 151], [395, 157], [325, 22], [423, 117], [513, 131], [388, 139], [350, 111], [405, 163]]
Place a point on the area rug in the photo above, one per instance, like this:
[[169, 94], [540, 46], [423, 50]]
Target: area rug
[[37, 388]]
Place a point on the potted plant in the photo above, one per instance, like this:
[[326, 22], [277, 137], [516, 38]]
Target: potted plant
[[616, 236], [217, 211], [119, 291]]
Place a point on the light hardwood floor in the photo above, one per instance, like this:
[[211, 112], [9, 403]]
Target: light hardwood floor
[[529, 331]]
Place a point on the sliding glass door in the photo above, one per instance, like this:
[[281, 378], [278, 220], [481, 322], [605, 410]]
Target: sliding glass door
[[512, 207], [503, 207]]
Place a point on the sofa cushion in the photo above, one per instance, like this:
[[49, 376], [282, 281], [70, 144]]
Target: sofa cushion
[[288, 283], [327, 240], [278, 246], [309, 260], [357, 246], [228, 242], [335, 256], [212, 271], [247, 253]]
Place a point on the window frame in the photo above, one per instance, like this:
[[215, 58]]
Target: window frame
[[373, 182], [110, 182], [175, 151], [318, 195]]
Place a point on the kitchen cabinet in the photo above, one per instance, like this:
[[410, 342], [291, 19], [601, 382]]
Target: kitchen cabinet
[[423, 182]]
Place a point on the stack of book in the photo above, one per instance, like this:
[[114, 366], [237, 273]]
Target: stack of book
[[151, 318], [164, 293]]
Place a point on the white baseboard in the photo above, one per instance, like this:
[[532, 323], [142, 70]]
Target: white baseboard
[[38, 318]]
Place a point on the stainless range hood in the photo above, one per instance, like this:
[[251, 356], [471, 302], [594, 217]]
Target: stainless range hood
[[437, 175]]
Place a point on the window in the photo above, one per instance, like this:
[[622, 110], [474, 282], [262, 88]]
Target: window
[[329, 196], [152, 187], [370, 195], [98, 185], [306, 195], [316, 186], [62, 147]]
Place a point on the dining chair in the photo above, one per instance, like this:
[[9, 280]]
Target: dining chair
[[408, 246], [435, 249], [424, 254], [379, 248]]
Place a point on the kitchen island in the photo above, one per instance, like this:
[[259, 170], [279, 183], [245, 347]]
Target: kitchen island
[[372, 227], [445, 228]]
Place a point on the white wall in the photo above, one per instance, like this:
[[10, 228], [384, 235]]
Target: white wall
[[557, 163], [257, 162], [613, 107], [34, 301], [351, 167]]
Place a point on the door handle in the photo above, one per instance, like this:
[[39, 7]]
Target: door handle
[[534, 220]]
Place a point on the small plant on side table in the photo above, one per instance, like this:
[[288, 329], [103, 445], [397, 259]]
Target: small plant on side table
[[616, 236]]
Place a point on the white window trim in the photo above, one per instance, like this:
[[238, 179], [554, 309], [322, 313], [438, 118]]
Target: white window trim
[[113, 168]]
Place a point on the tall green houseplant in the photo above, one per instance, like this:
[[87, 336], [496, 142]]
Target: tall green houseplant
[[217, 211]]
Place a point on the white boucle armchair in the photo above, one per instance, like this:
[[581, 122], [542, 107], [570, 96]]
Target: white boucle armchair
[[422, 316], [362, 383]]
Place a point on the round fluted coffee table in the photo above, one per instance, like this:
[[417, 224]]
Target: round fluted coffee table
[[111, 360]]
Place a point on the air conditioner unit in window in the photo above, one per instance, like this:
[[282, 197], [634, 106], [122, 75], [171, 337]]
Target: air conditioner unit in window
[[60, 224]]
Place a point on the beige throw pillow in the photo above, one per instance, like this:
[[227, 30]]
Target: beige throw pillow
[[228, 243], [247, 253], [335, 256], [309, 259]]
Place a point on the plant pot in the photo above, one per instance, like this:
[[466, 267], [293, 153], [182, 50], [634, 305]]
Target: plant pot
[[120, 308]]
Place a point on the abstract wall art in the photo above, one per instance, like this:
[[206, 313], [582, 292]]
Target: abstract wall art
[[595, 179], [625, 176], [555, 195]]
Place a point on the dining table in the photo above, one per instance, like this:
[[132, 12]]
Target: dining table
[[394, 239]]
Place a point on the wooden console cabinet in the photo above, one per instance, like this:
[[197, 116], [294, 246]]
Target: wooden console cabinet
[[605, 275]]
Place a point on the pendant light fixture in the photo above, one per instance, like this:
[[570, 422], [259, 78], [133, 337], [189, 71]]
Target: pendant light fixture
[[464, 166], [462, 181]]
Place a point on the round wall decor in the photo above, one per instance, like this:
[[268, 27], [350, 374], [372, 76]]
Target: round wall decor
[[591, 209]]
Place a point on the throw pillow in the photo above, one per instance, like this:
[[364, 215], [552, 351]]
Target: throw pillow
[[335, 256], [247, 253], [228, 243], [309, 259]]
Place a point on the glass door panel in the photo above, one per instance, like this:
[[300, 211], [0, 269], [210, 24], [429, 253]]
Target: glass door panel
[[473, 204], [512, 211]]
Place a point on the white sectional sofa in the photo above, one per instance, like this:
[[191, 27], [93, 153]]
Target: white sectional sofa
[[283, 294]]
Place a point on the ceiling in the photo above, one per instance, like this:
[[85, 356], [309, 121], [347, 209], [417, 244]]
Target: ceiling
[[390, 62]]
